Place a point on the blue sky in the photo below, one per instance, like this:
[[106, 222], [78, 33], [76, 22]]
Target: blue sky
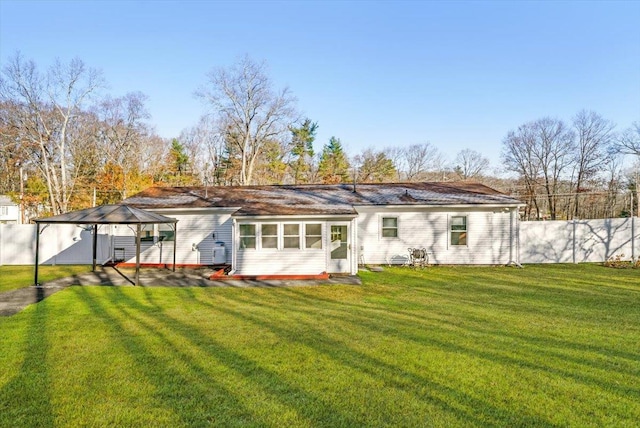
[[374, 74]]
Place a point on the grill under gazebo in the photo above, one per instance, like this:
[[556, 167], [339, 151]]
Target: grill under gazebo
[[108, 214]]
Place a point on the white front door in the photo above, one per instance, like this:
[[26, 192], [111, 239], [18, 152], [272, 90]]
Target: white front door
[[339, 247]]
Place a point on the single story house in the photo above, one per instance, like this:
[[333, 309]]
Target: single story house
[[318, 228]]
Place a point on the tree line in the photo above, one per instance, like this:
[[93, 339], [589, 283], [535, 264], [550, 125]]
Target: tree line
[[66, 144]]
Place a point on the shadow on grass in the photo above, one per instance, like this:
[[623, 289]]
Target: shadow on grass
[[510, 347], [175, 390], [25, 400], [492, 341], [457, 403], [154, 322]]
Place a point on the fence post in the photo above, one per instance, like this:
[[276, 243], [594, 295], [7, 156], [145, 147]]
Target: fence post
[[633, 230], [574, 240]]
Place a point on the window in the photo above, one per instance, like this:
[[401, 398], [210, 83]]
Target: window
[[458, 230], [247, 236], [269, 235], [292, 236], [389, 227], [166, 232], [146, 233], [4, 210], [313, 236]]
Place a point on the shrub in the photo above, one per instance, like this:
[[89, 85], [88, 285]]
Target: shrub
[[618, 262]]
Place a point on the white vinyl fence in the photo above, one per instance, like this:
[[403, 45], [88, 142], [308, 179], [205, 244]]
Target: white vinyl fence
[[59, 244], [540, 242], [578, 241]]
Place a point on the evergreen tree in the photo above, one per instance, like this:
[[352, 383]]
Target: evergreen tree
[[334, 166], [302, 151], [178, 173]]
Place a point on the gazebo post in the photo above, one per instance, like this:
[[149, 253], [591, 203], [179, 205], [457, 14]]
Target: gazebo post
[[95, 245], [35, 279], [138, 254], [175, 239]]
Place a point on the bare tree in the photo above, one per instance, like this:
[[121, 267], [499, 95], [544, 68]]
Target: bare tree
[[13, 153], [420, 158], [125, 133], [470, 164], [553, 151], [206, 147], [518, 155], [49, 105], [594, 137], [614, 183], [251, 113], [629, 141], [396, 155]]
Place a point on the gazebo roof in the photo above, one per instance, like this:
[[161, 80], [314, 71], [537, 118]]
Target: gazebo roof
[[108, 214]]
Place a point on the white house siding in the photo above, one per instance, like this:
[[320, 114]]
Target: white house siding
[[280, 262], [490, 235], [291, 261], [197, 233]]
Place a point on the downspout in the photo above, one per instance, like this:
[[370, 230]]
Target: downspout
[[514, 250], [175, 241], [233, 246]]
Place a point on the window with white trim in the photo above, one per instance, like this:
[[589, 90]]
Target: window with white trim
[[269, 238], [389, 227], [166, 232], [4, 210], [291, 236], [247, 236], [313, 236], [147, 232], [458, 230]]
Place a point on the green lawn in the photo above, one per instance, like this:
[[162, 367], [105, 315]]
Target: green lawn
[[444, 346], [12, 277]]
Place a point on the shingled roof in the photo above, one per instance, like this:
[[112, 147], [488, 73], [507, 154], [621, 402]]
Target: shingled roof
[[321, 199], [108, 214]]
